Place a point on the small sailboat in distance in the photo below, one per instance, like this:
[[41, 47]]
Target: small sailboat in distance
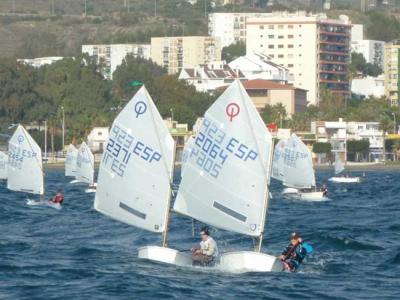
[[70, 161], [25, 167], [339, 168], [226, 178], [85, 167], [297, 169], [135, 175], [3, 165]]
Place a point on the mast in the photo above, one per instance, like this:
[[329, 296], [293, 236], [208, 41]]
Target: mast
[[266, 198], [167, 218]]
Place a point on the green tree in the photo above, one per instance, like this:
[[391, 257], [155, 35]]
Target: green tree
[[233, 51]]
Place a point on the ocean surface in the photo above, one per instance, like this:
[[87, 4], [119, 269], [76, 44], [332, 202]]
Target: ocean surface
[[77, 253]]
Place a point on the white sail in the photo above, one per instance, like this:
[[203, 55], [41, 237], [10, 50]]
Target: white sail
[[225, 182], [277, 162], [298, 166], [339, 167], [25, 169], [70, 161], [85, 165], [135, 173], [187, 151], [3, 165]]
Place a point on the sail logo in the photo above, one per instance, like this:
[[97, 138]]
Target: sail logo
[[232, 110], [140, 108], [20, 139]]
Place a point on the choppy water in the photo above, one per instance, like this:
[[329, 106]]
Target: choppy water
[[77, 253]]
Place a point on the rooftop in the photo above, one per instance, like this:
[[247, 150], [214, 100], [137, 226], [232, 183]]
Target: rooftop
[[262, 84]]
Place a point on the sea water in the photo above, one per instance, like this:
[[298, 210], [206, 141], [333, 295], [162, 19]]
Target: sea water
[[77, 253]]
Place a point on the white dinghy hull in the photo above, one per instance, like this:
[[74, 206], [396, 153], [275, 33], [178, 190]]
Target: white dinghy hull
[[345, 179], [248, 261], [165, 255], [312, 196], [290, 191]]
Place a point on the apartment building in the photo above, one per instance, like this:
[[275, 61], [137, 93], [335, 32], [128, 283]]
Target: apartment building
[[372, 51], [211, 76], [391, 71], [230, 28], [39, 61], [315, 49], [112, 55], [176, 53]]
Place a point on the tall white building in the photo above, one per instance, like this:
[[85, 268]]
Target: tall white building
[[175, 53], [315, 49], [230, 27], [113, 54], [373, 51], [369, 86]]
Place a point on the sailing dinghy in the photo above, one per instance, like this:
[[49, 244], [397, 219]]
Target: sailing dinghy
[[25, 167], [70, 162], [85, 168], [225, 180], [296, 171], [3, 165], [135, 175], [339, 168]]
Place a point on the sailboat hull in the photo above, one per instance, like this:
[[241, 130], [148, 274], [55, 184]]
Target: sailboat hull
[[312, 196], [165, 255], [248, 261], [345, 179]]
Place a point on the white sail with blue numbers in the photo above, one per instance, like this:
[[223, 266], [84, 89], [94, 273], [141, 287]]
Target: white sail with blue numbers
[[3, 165], [278, 161], [297, 164], [135, 174], [25, 169], [225, 181], [187, 150], [70, 161]]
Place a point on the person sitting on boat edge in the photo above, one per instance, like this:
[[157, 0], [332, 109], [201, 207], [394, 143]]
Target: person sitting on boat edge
[[294, 254], [58, 198], [324, 190], [207, 251]]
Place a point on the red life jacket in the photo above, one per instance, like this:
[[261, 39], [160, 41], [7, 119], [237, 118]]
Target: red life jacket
[[59, 198]]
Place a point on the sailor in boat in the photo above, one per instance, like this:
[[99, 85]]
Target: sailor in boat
[[58, 198], [206, 253], [294, 254], [324, 190]]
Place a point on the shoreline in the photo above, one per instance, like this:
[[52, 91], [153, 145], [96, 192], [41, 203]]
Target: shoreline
[[325, 167]]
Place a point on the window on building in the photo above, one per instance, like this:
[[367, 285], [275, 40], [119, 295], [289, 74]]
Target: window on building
[[290, 46], [290, 65], [261, 36], [261, 45], [280, 36], [290, 36], [280, 55], [271, 36], [280, 26], [280, 46], [290, 26], [261, 26], [271, 46], [270, 26], [300, 45]]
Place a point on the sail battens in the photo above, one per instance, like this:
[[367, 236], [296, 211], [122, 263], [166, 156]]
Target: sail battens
[[230, 212], [132, 211]]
